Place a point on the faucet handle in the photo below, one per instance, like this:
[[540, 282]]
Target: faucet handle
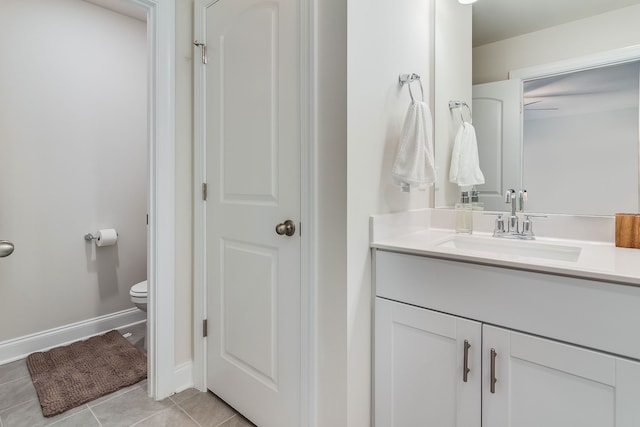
[[529, 215], [499, 224], [527, 227], [509, 195], [499, 227], [522, 195]]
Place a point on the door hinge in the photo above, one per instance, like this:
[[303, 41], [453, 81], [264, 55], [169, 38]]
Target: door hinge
[[204, 191], [203, 47], [205, 328]]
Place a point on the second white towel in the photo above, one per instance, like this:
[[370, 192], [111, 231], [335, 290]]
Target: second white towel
[[414, 163], [465, 163]]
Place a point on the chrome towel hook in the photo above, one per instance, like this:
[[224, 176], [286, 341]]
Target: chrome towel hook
[[408, 79]]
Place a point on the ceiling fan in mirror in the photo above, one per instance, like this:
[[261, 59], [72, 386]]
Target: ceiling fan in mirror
[[527, 106]]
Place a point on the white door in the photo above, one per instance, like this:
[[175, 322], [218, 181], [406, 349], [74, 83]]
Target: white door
[[498, 122], [541, 382], [253, 173], [419, 367]]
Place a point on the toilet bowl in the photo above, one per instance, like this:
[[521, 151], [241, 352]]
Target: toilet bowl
[[138, 294]]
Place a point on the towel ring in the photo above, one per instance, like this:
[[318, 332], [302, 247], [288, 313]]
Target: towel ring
[[460, 104], [421, 91], [408, 79]]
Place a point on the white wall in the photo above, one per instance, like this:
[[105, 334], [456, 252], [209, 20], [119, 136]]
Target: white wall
[[612, 30], [73, 146], [385, 39]]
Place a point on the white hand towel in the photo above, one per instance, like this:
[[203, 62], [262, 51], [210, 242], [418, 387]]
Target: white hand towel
[[465, 163], [414, 162]]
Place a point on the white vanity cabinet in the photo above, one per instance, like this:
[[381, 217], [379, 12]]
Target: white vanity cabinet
[[548, 370]]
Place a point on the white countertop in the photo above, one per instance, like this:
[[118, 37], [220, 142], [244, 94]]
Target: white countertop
[[421, 233]]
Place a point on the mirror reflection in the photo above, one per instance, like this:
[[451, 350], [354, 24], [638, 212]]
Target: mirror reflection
[[580, 140], [575, 148]]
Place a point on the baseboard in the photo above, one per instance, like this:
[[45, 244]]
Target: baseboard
[[19, 348], [183, 377]]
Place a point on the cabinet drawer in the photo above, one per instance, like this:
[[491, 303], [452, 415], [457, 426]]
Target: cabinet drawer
[[594, 314]]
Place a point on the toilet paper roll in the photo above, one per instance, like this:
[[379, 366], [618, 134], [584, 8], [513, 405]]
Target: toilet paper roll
[[107, 237]]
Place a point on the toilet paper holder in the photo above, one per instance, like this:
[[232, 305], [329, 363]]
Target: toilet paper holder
[[89, 237]]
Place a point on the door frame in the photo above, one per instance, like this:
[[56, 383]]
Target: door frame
[[161, 195], [308, 211]]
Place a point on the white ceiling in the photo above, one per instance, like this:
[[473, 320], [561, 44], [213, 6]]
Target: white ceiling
[[495, 20]]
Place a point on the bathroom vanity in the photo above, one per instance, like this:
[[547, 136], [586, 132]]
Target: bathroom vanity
[[474, 332]]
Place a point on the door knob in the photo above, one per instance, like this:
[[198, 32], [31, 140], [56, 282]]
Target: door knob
[[287, 228], [6, 248]]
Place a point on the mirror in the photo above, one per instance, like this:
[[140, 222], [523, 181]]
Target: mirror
[[580, 140], [541, 37]]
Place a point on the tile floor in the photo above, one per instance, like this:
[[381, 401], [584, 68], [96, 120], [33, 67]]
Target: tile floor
[[19, 406]]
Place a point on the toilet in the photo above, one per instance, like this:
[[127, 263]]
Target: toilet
[[138, 294]]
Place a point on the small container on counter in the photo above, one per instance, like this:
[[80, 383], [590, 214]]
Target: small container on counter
[[464, 214]]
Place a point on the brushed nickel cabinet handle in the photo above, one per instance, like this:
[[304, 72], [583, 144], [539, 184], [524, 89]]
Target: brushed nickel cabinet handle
[[465, 363], [493, 370]]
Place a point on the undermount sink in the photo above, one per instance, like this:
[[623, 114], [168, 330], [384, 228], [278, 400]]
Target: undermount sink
[[522, 248]]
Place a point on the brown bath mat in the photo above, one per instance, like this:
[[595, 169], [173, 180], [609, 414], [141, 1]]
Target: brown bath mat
[[68, 376]]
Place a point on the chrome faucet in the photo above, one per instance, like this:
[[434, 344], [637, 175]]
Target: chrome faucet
[[512, 230]]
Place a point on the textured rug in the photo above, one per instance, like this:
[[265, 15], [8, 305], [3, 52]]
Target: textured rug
[[68, 376]]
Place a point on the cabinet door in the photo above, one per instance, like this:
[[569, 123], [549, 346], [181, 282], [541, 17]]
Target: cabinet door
[[539, 382], [419, 360]]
